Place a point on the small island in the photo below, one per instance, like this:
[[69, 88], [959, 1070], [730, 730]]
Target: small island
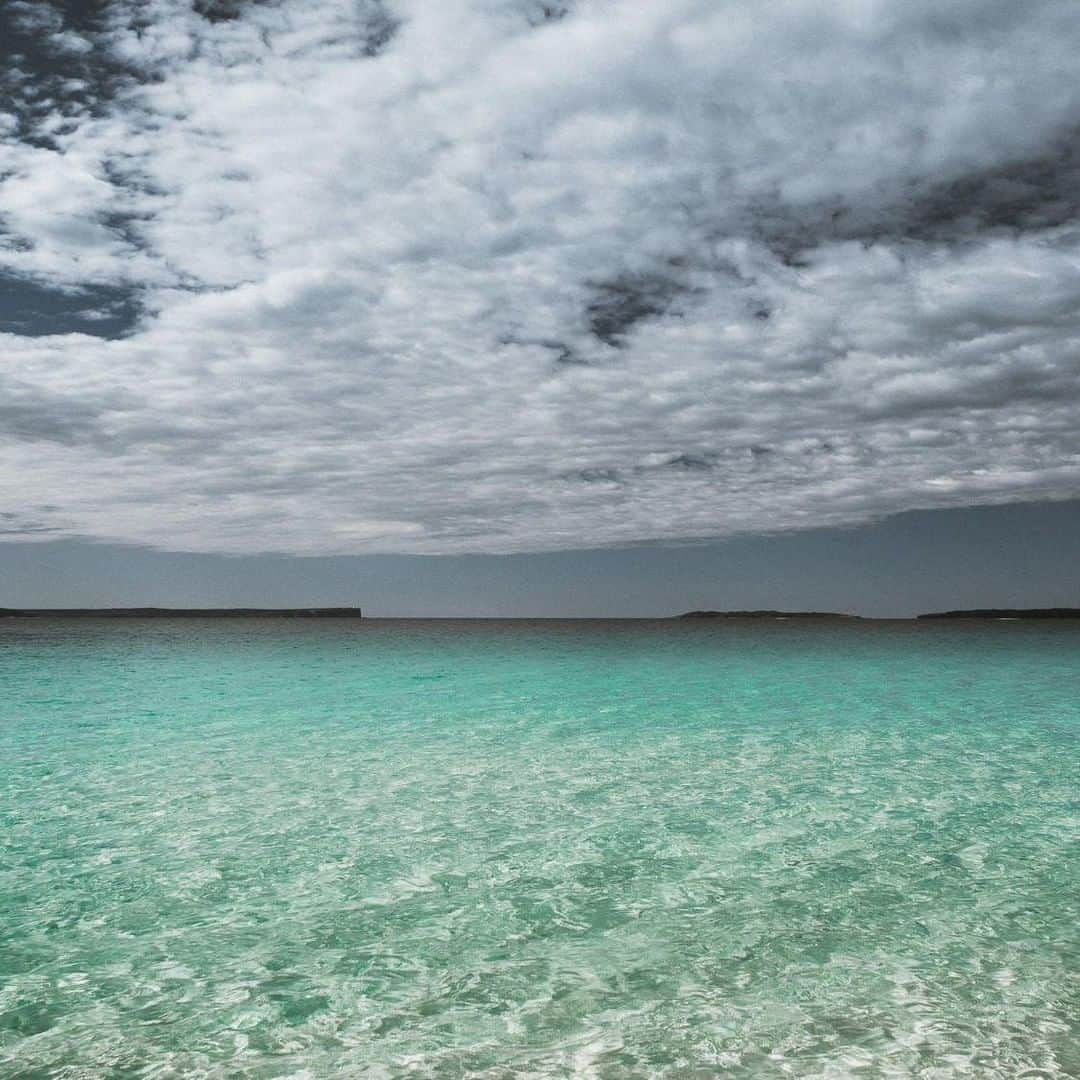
[[766, 614]]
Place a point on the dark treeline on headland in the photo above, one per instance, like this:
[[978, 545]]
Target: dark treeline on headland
[[975, 613], [1007, 613], [355, 613], [189, 613]]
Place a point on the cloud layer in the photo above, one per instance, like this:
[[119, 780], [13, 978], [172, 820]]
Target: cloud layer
[[503, 275]]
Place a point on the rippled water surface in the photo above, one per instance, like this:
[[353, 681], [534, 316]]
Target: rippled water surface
[[261, 848]]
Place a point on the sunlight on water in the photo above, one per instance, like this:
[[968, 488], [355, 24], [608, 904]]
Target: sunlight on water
[[270, 849]]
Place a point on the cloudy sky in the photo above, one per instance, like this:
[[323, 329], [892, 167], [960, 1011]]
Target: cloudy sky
[[485, 277]]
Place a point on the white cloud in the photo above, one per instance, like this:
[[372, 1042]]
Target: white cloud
[[458, 277]]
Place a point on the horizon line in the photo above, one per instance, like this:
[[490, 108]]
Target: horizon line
[[356, 613]]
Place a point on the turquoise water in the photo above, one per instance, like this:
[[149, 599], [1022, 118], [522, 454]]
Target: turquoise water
[[261, 848]]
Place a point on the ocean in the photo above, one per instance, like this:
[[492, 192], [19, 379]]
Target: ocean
[[612, 849]]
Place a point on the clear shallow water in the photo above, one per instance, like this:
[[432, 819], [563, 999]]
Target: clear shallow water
[[267, 849]]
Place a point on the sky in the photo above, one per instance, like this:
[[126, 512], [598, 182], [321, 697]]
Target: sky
[[923, 561], [493, 286]]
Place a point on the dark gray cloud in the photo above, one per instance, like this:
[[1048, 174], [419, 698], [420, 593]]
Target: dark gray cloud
[[34, 417], [499, 275], [617, 306], [1037, 193]]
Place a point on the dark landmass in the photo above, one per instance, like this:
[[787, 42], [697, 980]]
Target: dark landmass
[[766, 615], [190, 613], [355, 613], [1007, 613]]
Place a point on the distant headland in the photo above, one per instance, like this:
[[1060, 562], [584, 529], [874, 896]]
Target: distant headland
[[189, 613], [766, 615], [974, 613], [1007, 613]]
